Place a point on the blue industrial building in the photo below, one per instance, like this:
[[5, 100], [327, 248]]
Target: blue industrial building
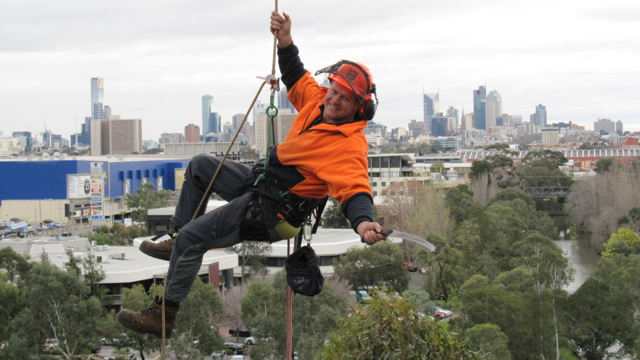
[[46, 179]]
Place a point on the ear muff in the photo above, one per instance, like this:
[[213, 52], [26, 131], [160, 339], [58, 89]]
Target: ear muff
[[369, 106]]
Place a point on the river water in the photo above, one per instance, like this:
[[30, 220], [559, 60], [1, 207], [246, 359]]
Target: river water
[[582, 258]]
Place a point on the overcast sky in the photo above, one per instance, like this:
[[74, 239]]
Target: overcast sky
[[579, 58]]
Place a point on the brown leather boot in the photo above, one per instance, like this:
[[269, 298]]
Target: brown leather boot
[[160, 247], [149, 320]]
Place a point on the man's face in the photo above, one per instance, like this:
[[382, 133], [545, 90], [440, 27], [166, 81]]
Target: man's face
[[340, 105]]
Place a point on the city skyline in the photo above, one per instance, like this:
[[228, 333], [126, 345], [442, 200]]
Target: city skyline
[[581, 65]]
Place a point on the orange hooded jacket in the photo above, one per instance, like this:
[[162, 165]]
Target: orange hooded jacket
[[319, 159]]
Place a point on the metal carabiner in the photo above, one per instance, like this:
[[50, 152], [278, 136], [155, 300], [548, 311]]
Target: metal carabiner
[[307, 231]]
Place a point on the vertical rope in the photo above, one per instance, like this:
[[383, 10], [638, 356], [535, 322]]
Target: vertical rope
[[163, 350], [289, 319]]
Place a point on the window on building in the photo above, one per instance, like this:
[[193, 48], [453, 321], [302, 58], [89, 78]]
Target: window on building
[[375, 183], [384, 184], [395, 162], [375, 193], [327, 260], [384, 162], [375, 162], [275, 262]]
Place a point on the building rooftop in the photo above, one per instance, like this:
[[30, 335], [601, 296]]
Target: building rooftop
[[121, 264]]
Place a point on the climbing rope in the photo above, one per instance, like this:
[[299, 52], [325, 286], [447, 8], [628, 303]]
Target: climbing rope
[[272, 112]]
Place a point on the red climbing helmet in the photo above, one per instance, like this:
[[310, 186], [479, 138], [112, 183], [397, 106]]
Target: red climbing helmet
[[356, 77], [351, 75]]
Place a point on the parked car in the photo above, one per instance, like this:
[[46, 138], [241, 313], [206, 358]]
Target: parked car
[[442, 313], [26, 232], [250, 340], [50, 345], [410, 267], [362, 296], [237, 347], [240, 332]]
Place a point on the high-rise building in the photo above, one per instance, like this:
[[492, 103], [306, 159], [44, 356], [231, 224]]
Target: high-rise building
[[85, 131], [171, 138], [416, 128], [97, 98], [236, 121], [479, 108], [215, 123], [550, 136], [207, 103], [283, 101], [439, 124], [619, 127], [431, 106], [47, 140], [282, 124], [516, 120], [24, 139], [539, 118], [493, 108], [466, 121], [258, 108], [116, 137], [192, 133], [604, 126]]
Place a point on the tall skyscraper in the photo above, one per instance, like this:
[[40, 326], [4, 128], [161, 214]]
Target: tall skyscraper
[[236, 120], [493, 108], [539, 118], [192, 133], [431, 105], [85, 131], [282, 123], [283, 101], [479, 108], [207, 103], [258, 108], [116, 137], [97, 98], [214, 123]]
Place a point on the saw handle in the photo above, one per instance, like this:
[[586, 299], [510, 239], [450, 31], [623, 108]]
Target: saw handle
[[384, 232]]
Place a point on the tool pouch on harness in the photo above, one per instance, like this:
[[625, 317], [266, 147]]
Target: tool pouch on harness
[[303, 272]]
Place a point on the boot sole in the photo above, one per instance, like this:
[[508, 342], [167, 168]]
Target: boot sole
[[155, 254], [125, 322]]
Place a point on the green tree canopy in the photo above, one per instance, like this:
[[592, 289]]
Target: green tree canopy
[[489, 341], [264, 311], [605, 165], [379, 265], [15, 265], [623, 242], [389, 327], [146, 198], [55, 304], [332, 216]]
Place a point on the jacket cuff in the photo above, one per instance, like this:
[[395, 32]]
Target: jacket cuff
[[358, 208]]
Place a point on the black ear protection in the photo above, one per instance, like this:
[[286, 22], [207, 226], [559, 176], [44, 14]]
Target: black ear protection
[[369, 106]]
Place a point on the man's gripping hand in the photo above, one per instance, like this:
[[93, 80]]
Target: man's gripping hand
[[370, 232], [282, 24]]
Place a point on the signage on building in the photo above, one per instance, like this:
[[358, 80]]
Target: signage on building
[[78, 186], [96, 191], [179, 177], [159, 183]]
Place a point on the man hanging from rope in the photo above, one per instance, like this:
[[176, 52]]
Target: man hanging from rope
[[325, 153]]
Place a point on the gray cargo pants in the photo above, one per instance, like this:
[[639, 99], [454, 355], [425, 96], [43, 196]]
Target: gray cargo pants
[[216, 229]]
